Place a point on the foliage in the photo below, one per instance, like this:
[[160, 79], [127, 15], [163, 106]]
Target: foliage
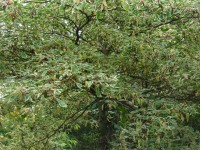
[[100, 74]]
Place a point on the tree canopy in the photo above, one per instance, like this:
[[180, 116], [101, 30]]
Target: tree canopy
[[99, 74]]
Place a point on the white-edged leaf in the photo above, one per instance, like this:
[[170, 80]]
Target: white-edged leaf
[[61, 103]]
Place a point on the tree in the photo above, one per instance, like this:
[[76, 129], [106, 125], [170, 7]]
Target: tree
[[123, 73]]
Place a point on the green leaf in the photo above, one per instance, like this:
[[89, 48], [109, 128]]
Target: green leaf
[[88, 83], [105, 3], [24, 55], [100, 15], [79, 85], [61, 103], [125, 5], [187, 117], [98, 92]]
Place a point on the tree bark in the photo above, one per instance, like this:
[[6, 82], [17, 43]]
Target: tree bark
[[106, 127]]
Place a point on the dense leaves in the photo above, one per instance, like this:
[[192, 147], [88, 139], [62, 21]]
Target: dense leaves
[[100, 74]]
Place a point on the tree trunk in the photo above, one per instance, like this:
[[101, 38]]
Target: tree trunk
[[106, 127]]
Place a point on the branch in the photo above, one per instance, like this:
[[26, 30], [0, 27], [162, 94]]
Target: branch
[[53, 132], [164, 23], [41, 2]]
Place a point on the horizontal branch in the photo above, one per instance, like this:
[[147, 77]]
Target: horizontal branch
[[162, 24]]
